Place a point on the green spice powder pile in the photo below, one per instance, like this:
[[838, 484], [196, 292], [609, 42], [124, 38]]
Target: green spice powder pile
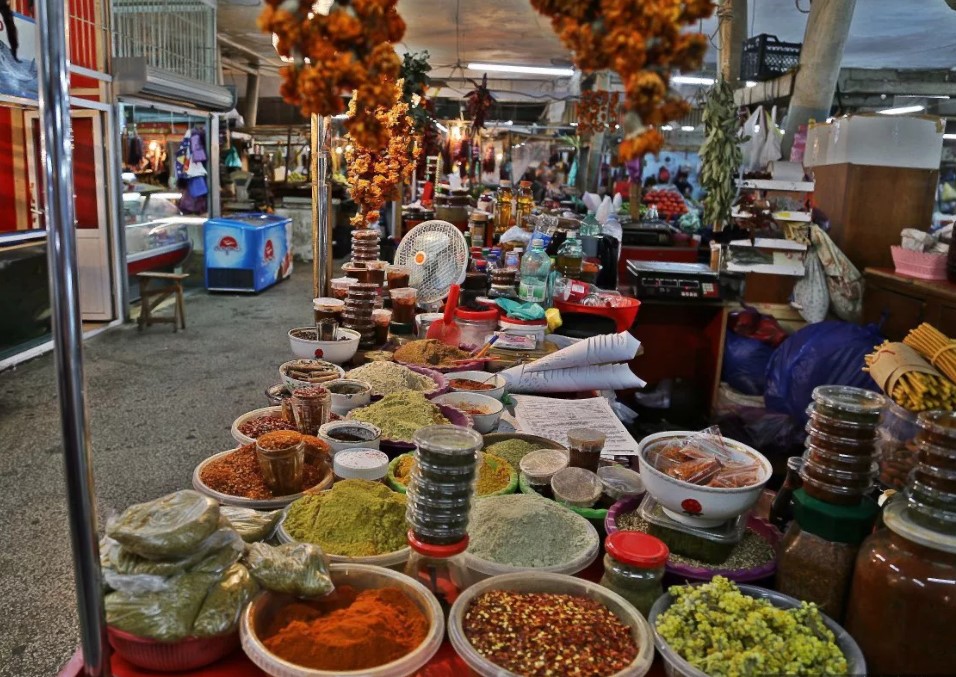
[[400, 414], [526, 531], [356, 518], [512, 450]]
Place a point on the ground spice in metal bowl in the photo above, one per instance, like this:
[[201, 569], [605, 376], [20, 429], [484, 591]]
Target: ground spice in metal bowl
[[239, 474], [539, 634], [430, 353]]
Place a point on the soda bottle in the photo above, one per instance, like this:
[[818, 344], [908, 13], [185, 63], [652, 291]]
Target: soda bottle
[[535, 269]]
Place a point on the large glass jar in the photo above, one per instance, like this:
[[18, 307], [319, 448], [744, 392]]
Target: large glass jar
[[902, 607], [634, 567], [816, 557]]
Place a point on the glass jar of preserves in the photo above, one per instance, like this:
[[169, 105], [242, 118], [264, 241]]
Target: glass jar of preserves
[[902, 606], [634, 567], [816, 557]]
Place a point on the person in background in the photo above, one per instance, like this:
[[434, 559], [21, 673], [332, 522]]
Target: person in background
[[682, 182], [622, 186], [664, 173]]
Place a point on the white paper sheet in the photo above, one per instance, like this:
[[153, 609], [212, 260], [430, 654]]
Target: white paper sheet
[[522, 379], [601, 349], [553, 418]]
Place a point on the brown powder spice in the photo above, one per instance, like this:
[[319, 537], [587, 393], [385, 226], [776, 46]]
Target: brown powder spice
[[539, 634]]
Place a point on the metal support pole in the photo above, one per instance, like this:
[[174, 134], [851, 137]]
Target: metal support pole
[[732, 25], [321, 209], [57, 160]]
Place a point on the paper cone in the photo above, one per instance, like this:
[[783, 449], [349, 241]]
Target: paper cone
[[572, 380], [602, 349], [895, 359]]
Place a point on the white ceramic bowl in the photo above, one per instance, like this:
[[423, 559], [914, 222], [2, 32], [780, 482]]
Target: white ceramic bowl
[[374, 434], [263, 609], [293, 383], [344, 402], [693, 504], [337, 351], [498, 381], [641, 630], [484, 423]]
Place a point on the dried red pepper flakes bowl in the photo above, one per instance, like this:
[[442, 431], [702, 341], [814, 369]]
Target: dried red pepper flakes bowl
[[529, 582], [259, 614]]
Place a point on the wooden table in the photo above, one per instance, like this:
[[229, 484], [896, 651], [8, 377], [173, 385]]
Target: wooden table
[[901, 303]]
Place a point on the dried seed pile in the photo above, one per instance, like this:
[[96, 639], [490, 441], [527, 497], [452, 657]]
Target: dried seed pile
[[537, 634]]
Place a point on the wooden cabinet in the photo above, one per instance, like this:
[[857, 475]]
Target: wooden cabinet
[[899, 303]]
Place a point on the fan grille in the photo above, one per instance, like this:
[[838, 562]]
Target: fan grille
[[436, 253]]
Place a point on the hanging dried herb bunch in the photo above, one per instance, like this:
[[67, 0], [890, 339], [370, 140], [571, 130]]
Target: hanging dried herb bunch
[[347, 50], [641, 41], [479, 102], [374, 173], [720, 155]]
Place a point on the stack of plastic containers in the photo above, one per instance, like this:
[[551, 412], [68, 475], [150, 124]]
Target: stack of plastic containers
[[840, 459], [361, 301], [439, 496], [365, 244], [931, 493], [897, 445]]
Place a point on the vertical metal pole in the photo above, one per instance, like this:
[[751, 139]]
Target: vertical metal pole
[[321, 237], [57, 157], [212, 145]]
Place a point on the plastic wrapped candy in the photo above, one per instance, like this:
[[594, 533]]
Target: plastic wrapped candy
[[294, 568], [166, 614], [224, 603], [705, 459], [252, 525], [167, 528]]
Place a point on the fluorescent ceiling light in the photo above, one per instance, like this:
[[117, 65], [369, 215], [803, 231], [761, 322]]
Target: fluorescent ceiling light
[[921, 96], [687, 128], [691, 80], [750, 83], [525, 70], [441, 127], [667, 128], [902, 110], [574, 124], [340, 116], [949, 136]]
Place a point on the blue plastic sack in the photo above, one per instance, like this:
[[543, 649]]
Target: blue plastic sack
[[825, 353], [745, 363]]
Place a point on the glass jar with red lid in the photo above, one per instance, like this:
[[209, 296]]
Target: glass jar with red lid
[[634, 567]]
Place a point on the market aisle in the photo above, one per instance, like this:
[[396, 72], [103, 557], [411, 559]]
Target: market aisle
[[159, 403]]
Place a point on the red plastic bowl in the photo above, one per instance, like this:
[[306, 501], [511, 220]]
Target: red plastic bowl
[[187, 654], [623, 316]]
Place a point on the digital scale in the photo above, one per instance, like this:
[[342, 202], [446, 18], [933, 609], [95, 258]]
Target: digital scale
[[674, 281]]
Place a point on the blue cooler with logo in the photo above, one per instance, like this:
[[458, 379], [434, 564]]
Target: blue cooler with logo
[[247, 252]]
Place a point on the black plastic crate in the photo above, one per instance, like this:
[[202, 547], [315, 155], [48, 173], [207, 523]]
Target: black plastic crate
[[765, 57]]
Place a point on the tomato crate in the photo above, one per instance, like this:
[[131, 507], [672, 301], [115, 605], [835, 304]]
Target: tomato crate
[[765, 57]]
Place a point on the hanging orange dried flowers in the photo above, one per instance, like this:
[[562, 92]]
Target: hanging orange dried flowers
[[642, 41], [347, 50], [374, 172], [597, 110]]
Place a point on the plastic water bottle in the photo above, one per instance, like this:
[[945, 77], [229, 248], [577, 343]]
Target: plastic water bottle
[[535, 269]]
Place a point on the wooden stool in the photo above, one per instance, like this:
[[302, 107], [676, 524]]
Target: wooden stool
[[150, 298]]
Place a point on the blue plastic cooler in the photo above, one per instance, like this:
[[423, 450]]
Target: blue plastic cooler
[[247, 252]]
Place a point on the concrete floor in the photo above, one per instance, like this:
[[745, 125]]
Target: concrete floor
[[159, 403]]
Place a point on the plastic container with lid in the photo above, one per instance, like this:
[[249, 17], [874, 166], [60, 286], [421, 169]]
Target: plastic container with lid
[[712, 545], [477, 326], [861, 433], [836, 460], [576, 487], [553, 583], [403, 304], [349, 434], [935, 455], [816, 557], [902, 609], [537, 329], [619, 482], [831, 492], [634, 567], [851, 479], [258, 616], [340, 287], [842, 445], [360, 464], [941, 479], [938, 427], [327, 308], [440, 568], [849, 404], [896, 445], [540, 466]]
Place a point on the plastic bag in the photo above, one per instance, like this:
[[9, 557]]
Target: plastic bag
[[294, 568], [166, 615], [218, 552], [755, 133], [826, 353], [705, 459], [516, 234], [252, 525], [224, 603], [166, 528], [810, 294], [844, 281], [745, 363]]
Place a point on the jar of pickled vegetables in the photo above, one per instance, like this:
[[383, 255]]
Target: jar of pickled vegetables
[[634, 567], [902, 607], [816, 557]]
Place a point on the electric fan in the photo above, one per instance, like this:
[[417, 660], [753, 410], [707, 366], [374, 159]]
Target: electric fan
[[436, 253]]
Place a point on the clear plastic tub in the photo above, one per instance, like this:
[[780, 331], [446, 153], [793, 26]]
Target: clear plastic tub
[[835, 427], [936, 455], [938, 427], [840, 445], [263, 609], [850, 404], [931, 517], [541, 465], [577, 487], [549, 583], [620, 482], [390, 560], [851, 479], [712, 545], [836, 460], [676, 666], [941, 479], [482, 568], [829, 492]]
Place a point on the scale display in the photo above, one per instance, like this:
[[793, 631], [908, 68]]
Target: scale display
[[674, 281]]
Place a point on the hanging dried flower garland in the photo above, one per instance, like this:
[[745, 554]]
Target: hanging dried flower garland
[[597, 110], [374, 174], [347, 50], [479, 101], [642, 42]]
